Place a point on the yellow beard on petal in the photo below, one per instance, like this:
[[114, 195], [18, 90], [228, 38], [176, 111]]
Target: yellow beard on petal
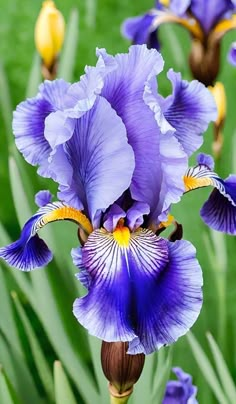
[[122, 235]]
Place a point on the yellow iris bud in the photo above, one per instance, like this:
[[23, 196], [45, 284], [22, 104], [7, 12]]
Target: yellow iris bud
[[49, 33], [218, 92]]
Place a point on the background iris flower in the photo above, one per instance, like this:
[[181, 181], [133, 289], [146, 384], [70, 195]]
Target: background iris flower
[[207, 22], [180, 391], [119, 153]]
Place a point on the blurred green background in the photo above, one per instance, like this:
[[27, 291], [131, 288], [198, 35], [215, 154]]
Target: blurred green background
[[37, 326]]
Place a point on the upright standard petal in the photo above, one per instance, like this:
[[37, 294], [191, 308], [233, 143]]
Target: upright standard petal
[[189, 110], [100, 158], [141, 30], [30, 251], [209, 13], [124, 89], [142, 289]]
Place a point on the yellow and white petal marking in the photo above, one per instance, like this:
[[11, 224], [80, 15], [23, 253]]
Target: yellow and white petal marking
[[30, 251], [201, 176], [189, 23], [60, 211]]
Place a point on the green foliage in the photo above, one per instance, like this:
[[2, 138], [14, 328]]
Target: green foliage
[[45, 355]]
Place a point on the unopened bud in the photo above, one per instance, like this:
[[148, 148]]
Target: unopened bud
[[121, 369], [204, 61], [218, 92], [49, 33]]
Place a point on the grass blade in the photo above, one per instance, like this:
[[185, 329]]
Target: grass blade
[[223, 372], [206, 368], [37, 353], [68, 55], [7, 394], [162, 377], [5, 103], [35, 77], [63, 391]]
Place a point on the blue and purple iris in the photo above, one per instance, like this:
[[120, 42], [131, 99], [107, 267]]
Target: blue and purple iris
[[201, 18], [119, 153], [207, 22], [180, 391]]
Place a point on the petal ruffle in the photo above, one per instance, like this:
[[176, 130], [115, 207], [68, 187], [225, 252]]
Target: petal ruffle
[[28, 128], [124, 89], [99, 158], [29, 122], [142, 289], [189, 110]]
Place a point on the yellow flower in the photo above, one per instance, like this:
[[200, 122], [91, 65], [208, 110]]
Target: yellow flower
[[49, 33]]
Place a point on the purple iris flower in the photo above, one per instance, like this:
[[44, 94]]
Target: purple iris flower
[[180, 391], [119, 153], [207, 22], [232, 54]]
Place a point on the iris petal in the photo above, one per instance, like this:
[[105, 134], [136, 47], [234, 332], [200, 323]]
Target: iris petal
[[189, 110], [219, 211], [29, 122], [28, 128], [142, 289], [140, 30], [42, 198], [124, 89], [208, 13], [30, 252], [99, 156]]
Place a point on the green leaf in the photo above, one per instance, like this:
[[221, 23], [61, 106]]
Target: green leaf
[[162, 375], [63, 391], [21, 202], [5, 103], [18, 371], [68, 54], [8, 325], [35, 77], [37, 353], [222, 369], [91, 8], [7, 393], [206, 368]]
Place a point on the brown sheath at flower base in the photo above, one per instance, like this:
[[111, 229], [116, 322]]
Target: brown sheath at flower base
[[121, 369]]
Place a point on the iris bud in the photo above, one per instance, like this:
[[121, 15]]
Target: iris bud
[[49, 33], [204, 61], [218, 92], [121, 369]]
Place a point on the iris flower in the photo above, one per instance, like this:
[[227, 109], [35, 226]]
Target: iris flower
[[206, 21], [119, 153], [180, 391]]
